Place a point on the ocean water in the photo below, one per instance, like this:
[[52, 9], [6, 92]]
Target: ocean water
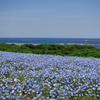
[[87, 41]]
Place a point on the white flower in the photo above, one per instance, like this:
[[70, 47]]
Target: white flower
[[15, 79]]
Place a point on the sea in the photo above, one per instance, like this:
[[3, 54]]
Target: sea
[[81, 41]]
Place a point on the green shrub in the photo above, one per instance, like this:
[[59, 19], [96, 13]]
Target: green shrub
[[54, 49], [30, 46]]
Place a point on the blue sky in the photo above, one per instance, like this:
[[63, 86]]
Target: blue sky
[[50, 18]]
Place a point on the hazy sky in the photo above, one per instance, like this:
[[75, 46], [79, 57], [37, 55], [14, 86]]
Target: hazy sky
[[50, 18]]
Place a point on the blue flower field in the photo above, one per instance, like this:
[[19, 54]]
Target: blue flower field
[[25, 76]]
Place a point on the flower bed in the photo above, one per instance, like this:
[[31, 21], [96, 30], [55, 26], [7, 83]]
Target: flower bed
[[45, 77]]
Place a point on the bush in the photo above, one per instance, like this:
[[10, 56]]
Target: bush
[[54, 49], [30, 46]]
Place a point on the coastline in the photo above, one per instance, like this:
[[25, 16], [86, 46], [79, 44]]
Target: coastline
[[39, 44], [22, 43], [56, 43]]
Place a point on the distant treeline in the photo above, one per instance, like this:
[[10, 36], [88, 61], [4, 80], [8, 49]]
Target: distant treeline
[[53, 49]]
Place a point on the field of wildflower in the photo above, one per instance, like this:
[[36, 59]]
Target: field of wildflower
[[25, 76]]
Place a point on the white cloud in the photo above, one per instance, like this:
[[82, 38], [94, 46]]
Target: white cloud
[[84, 22], [77, 16], [17, 18], [21, 11], [73, 5], [21, 14]]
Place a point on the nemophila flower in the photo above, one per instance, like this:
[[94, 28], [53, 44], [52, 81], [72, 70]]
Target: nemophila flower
[[47, 76]]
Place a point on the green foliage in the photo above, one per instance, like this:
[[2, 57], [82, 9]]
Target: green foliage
[[30, 46], [53, 49]]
